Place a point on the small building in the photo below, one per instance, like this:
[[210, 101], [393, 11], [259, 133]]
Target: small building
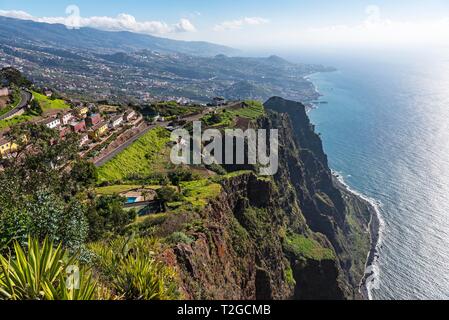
[[84, 139], [98, 130], [116, 121], [218, 101], [93, 119], [66, 118], [7, 146], [130, 114], [78, 127], [4, 92], [81, 111], [48, 93], [52, 123]]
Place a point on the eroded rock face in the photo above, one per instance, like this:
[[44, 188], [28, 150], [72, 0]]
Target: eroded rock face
[[245, 251]]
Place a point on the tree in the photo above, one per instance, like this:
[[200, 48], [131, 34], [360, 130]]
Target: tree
[[106, 215], [166, 195], [36, 108], [42, 188]]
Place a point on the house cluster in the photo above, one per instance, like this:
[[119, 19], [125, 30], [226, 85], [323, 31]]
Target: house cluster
[[89, 125]]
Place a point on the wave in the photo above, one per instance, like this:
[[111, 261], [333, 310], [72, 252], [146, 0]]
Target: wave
[[377, 229]]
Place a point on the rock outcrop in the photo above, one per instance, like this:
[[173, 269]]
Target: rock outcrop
[[297, 235]]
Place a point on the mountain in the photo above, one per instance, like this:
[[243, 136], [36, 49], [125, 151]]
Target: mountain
[[57, 35]]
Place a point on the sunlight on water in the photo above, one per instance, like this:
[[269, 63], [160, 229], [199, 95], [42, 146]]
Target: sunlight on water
[[386, 127]]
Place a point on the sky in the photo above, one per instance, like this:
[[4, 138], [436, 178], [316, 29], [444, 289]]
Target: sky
[[255, 23]]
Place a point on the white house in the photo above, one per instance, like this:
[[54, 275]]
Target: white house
[[129, 115], [84, 139], [52, 123], [66, 118], [116, 121]]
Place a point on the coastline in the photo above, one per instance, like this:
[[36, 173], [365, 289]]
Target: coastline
[[375, 225]]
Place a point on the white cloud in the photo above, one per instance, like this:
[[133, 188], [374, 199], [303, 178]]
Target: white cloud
[[378, 30], [122, 22], [239, 24]]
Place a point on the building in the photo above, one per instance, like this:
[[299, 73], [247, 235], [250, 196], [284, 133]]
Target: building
[[98, 130], [116, 121], [130, 114], [93, 120], [81, 111], [66, 118], [78, 126], [84, 139], [52, 123], [4, 92], [7, 146], [48, 93]]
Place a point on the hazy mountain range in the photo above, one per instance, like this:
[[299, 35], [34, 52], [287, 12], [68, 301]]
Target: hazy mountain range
[[123, 66]]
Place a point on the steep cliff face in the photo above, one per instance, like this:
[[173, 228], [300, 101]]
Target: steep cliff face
[[297, 235]]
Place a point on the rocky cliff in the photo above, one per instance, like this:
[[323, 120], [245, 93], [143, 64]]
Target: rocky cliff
[[297, 235]]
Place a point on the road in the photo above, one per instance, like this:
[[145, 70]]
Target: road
[[125, 145], [25, 98]]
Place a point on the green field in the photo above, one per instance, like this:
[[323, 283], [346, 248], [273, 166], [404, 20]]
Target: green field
[[49, 104], [227, 117], [143, 157], [254, 110], [199, 192], [308, 248]]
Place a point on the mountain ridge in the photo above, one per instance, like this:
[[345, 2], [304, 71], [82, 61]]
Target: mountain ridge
[[103, 41]]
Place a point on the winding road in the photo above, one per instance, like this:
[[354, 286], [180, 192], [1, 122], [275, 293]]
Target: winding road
[[25, 98]]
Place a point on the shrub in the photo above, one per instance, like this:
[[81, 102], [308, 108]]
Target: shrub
[[40, 274]]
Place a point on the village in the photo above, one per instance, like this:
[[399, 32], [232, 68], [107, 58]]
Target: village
[[103, 130]]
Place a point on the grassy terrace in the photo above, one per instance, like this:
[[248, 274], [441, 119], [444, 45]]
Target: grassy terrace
[[49, 104], [308, 248], [46, 104], [198, 193], [143, 157], [227, 117]]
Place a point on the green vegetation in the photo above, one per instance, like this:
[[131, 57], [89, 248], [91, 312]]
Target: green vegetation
[[251, 110], [39, 194], [48, 103], [198, 193], [289, 276], [308, 248], [169, 109], [14, 100], [129, 268], [40, 100], [179, 237], [39, 272], [143, 157], [26, 117]]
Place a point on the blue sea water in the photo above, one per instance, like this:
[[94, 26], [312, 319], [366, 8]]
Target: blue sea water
[[385, 128]]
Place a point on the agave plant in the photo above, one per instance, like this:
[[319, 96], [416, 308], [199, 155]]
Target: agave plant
[[131, 270], [39, 273]]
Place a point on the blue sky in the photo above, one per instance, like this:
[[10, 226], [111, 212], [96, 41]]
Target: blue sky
[[256, 22]]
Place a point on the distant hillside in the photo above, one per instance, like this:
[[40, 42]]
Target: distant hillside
[[57, 35]]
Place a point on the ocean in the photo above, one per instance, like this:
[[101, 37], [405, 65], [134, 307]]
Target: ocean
[[384, 121]]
